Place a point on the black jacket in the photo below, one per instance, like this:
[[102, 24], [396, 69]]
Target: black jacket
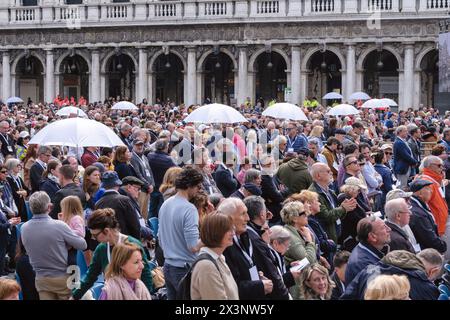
[[239, 266], [338, 290], [273, 196], [399, 239], [124, 169], [69, 190], [424, 228], [20, 202], [8, 145], [265, 261], [160, 162], [50, 187], [225, 181], [36, 172], [125, 214]]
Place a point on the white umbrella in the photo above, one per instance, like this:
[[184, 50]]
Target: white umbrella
[[374, 104], [359, 96], [14, 100], [76, 132], [215, 113], [342, 110], [332, 96], [389, 102], [67, 111], [124, 105], [285, 110]]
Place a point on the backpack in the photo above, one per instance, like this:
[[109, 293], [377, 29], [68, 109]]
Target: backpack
[[184, 287]]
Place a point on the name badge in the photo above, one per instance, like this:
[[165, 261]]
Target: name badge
[[338, 222], [416, 247], [147, 173], [254, 274], [10, 149]]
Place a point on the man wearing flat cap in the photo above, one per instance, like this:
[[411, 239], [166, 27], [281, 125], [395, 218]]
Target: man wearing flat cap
[[132, 186], [422, 221]]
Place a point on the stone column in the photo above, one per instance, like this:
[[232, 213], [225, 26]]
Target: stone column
[[49, 76], [303, 85], [95, 95], [350, 80], [242, 90], [142, 85], [408, 89], [295, 75], [6, 83], [191, 76]]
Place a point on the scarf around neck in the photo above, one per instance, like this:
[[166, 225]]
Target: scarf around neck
[[118, 288]]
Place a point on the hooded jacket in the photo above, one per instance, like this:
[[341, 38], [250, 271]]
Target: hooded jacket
[[295, 175], [399, 262]]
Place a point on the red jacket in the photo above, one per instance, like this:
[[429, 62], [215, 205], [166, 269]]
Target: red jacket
[[88, 158], [437, 203]]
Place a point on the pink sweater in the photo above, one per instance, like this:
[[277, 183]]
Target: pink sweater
[[76, 223]]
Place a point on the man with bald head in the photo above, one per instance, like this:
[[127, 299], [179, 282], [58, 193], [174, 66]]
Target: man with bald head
[[6, 140], [330, 212], [398, 214]]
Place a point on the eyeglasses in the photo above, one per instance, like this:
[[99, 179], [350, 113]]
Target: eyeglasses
[[4, 171], [439, 165], [353, 162], [95, 235], [301, 213], [388, 153], [362, 163]]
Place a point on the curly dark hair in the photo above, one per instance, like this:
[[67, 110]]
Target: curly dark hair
[[188, 178]]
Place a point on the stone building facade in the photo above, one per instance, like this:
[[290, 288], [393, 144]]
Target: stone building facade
[[224, 51]]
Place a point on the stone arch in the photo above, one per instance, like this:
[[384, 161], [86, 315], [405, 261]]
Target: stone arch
[[252, 60], [159, 53], [422, 55], [204, 56], [365, 53], [22, 55], [112, 53], [82, 54], [309, 54]]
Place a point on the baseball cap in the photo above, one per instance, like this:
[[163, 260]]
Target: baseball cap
[[340, 131], [24, 134], [397, 193], [303, 151], [386, 146], [137, 141], [353, 181]]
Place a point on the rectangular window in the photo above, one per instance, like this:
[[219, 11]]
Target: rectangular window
[[29, 2], [74, 1], [120, 0]]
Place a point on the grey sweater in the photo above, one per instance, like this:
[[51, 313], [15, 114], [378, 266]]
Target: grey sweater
[[47, 242]]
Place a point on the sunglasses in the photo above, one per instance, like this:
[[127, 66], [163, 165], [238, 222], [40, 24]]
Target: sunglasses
[[3, 171], [388, 153], [353, 162]]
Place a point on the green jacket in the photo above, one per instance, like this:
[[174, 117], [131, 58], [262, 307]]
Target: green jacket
[[298, 250], [327, 215], [295, 175], [100, 262]]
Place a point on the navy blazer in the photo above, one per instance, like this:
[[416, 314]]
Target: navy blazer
[[403, 158], [424, 228], [226, 182], [361, 256]]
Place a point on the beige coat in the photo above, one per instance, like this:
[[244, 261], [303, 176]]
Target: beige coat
[[207, 283]]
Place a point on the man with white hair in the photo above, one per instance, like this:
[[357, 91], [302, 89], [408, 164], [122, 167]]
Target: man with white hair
[[124, 134], [403, 157], [241, 255], [398, 214]]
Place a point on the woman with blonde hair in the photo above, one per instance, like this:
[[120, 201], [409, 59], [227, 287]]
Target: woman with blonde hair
[[316, 133], [388, 287], [123, 274], [167, 187], [316, 283], [72, 214]]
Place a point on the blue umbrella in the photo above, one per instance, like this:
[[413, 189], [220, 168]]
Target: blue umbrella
[[14, 100]]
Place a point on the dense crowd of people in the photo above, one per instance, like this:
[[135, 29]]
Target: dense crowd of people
[[347, 207]]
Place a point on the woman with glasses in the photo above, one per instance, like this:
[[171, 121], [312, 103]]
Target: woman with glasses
[[19, 190], [302, 243], [104, 228], [316, 283]]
